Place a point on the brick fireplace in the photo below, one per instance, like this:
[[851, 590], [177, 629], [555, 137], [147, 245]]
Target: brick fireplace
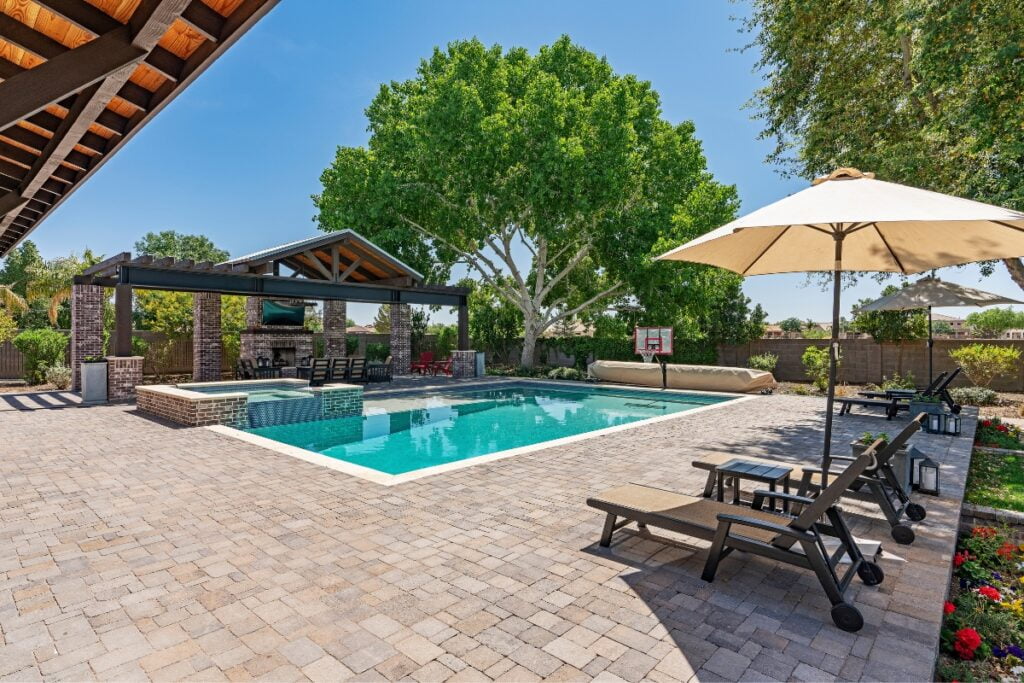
[[282, 344]]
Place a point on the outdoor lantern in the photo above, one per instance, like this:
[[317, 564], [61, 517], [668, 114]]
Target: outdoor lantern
[[935, 425], [929, 477], [952, 424]]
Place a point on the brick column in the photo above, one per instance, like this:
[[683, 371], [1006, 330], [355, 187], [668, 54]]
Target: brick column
[[206, 337], [124, 373], [86, 327], [463, 363], [335, 313], [401, 339]]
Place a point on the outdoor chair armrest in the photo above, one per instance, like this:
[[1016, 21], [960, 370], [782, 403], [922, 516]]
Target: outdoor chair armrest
[[760, 495], [782, 529]]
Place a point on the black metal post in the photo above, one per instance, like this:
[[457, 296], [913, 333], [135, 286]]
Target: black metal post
[[833, 357], [463, 325], [931, 343], [123, 320]]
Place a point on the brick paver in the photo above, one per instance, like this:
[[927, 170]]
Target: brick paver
[[132, 549]]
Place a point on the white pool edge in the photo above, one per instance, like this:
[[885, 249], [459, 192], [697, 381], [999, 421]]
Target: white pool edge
[[384, 479]]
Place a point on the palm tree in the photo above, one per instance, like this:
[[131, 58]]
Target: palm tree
[[53, 279], [11, 301]]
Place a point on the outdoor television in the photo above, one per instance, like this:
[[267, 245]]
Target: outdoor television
[[276, 313]]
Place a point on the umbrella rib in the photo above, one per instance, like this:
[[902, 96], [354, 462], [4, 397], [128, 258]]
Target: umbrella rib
[[765, 250], [891, 252], [1008, 225]]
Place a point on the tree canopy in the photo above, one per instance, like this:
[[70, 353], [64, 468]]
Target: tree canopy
[[992, 322], [921, 92], [179, 245], [551, 177], [890, 326]]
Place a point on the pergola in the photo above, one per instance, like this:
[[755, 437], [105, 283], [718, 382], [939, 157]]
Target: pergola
[[78, 78], [335, 268]]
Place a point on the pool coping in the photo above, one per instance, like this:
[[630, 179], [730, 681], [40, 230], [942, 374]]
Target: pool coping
[[385, 479]]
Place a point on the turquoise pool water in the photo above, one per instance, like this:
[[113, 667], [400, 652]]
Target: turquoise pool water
[[259, 392], [398, 434]]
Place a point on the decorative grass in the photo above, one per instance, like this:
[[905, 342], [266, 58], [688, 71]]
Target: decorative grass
[[996, 480]]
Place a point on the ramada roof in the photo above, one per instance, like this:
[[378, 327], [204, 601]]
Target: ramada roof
[[78, 78]]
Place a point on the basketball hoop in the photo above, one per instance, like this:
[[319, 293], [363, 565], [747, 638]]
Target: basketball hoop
[[647, 355]]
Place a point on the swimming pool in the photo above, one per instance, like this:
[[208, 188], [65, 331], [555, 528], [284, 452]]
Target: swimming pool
[[264, 391], [400, 433]]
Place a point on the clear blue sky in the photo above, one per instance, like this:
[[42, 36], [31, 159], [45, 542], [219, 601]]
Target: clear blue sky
[[238, 154]]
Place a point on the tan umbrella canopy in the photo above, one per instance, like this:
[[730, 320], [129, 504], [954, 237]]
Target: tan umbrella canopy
[[848, 221], [929, 292]]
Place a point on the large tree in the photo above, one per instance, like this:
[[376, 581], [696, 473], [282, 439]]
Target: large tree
[[923, 92], [551, 177]]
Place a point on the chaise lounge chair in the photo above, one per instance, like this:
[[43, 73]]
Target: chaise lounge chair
[[320, 372], [938, 387], [879, 484], [792, 540]]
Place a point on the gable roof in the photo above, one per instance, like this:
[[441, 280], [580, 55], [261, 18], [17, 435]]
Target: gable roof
[[78, 78], [358, 259]]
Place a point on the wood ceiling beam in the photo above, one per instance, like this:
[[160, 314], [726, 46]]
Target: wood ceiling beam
[[17, 33], [30, 91], [204, 20], [148, 24], [81, 14]]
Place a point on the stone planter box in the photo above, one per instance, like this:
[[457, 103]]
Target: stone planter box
[[900, 463], [94, 382]]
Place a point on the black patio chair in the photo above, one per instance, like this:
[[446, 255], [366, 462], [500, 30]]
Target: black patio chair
[[320, 372], [794, 540], [244, 369], [357, 370], [879, 484], [938, 387], [379, 372]]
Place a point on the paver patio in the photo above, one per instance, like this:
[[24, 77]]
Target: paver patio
[[133, 549]]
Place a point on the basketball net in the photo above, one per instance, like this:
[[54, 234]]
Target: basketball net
[[647, 355]]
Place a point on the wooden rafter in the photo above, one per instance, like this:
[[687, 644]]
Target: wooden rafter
[[63, 118]]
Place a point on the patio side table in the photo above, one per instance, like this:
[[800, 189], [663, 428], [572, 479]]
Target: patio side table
[[738, 469]]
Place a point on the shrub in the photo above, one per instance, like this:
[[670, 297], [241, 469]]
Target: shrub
[[59, 376], [815, 360], [763, 361], [42, 348], [565, 373], [377, 351], [984, 362], [867, 438], [800, 390], [992, 432], [351, 345], [974, 396], [898, 381]]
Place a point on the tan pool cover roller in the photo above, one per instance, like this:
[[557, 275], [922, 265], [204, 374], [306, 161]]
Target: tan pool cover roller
[[697, 377]]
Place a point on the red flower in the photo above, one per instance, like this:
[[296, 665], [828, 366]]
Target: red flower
[[1003, 428], [1006, 550], [961, 557], [983, 532], [986, 423], [967, 641], [990, 593], [948, 607]]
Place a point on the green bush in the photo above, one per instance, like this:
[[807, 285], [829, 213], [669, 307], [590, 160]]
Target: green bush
[[59, 376], [974, 396], [898, 381], [42, 348], [815, 360], [566, 373], [984, 362], [763, 361], [140, 346], [377, 351], [351, 345]]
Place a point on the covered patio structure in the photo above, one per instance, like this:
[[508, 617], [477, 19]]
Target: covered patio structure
[[334, 268]]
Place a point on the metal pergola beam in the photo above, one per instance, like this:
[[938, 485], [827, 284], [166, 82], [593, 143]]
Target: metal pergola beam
[[248, 284]]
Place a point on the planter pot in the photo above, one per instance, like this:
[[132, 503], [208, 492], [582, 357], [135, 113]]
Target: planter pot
[[900, 463], [94, 382], [924, 407]]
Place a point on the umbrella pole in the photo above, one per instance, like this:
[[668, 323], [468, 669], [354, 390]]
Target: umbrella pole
[[931, 343], [833, 357]]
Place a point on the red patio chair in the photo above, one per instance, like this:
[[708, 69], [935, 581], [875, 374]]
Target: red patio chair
[[422, 366], [443, 367]]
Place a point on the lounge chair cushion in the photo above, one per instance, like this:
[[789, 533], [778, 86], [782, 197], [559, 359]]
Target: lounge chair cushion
[[711, 460], [695, 377], [678, 512]]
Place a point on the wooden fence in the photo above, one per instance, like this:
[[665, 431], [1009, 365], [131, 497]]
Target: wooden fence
[[865, 360]]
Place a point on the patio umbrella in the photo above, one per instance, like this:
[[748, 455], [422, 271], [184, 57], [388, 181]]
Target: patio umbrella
[[848, 221], [931, 291]]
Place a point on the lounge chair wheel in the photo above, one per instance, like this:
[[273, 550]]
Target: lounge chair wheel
[[870, 573], [915, 512], [847, 617], [955, 409], [902, 534]]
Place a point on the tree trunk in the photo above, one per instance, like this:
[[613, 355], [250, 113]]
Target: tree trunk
[[1015, 266], [530, 336]]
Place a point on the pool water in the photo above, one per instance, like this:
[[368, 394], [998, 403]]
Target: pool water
[[262, 392], [397, 434]]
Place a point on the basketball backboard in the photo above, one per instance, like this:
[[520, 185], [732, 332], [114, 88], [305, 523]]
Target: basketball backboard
[[653, 340]]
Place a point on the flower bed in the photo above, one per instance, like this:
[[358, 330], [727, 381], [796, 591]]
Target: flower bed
[[983, 632], [992, 432]]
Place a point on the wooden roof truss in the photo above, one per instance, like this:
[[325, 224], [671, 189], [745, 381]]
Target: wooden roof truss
[[78, 78]]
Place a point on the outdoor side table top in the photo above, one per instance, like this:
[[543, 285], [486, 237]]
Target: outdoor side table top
[[738, 468]]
